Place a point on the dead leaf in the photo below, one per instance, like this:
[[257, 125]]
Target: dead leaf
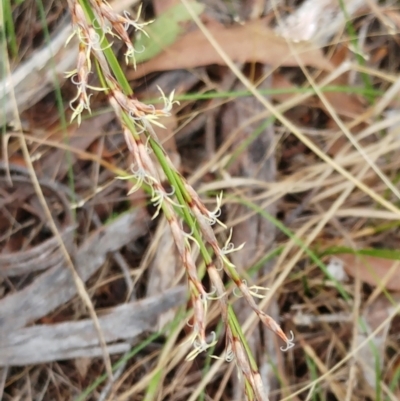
[[373, 270], [345, 104], [252, 42]]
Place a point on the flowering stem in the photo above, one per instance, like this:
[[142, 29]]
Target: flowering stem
[[93, 20], [106, 48]]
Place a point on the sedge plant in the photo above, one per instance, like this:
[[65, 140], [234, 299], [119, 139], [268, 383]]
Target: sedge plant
[[94, 22]]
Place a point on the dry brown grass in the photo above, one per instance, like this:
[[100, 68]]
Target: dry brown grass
[[321, 180]]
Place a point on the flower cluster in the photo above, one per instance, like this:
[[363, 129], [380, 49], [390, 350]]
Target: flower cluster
[[91, 32]]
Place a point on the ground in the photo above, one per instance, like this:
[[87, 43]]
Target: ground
[[199, 197]]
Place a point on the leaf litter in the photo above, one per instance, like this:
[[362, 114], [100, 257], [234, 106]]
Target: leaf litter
[[127, 260]]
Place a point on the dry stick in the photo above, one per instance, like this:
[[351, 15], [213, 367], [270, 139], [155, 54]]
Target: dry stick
[[288, 124], [80, 286]]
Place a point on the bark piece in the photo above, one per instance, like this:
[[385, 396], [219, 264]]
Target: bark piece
[[56, 286], [46, 343]]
